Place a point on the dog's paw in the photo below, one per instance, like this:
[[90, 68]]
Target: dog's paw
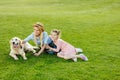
[[34, 51], [16, 59], [25, 58]]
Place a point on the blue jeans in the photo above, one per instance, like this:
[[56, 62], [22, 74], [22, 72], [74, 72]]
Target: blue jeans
[[53, 46]]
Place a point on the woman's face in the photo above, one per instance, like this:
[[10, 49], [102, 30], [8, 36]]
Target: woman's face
[[54, 36], [36, 31]]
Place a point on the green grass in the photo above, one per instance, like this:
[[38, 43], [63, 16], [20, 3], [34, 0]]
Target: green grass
[[93, 25]]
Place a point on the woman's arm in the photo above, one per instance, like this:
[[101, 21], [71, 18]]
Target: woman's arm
[[41, 50], [45, 38], [30, 37]]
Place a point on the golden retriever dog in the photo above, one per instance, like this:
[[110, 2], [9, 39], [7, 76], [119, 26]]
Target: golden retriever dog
[[17, 48]]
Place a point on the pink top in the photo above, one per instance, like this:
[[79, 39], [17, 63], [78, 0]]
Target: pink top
[[65, 47]]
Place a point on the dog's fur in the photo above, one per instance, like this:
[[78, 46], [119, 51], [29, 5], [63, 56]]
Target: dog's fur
[[18, 48]]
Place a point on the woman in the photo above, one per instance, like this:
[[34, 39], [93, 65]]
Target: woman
[[64, 49], [39, 36]]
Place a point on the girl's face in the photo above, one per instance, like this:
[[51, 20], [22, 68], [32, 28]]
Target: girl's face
[[36, 31], [54, 36]]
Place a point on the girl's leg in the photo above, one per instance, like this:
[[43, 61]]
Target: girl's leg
[[78, 50], [83, 57], [60, 55], [66, 57], [74, 57], [70, 56]]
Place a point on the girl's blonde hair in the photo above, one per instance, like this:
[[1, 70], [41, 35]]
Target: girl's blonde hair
[[58, 32], [40, 26]]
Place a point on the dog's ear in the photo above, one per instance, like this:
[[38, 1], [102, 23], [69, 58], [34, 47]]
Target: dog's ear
[[21, 47], [20, 43]]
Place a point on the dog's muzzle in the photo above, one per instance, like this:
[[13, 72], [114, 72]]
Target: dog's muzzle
[[15, 45]]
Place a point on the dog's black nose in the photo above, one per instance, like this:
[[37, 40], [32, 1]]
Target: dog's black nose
[[13, 42]]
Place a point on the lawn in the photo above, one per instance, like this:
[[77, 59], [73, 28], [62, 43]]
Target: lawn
[[93, 25]]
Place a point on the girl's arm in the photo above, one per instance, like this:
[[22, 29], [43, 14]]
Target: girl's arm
[[55, 49]]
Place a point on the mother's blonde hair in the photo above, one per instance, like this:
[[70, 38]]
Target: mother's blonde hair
[[40, 26]]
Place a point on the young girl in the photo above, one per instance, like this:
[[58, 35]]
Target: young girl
[[39, 36], [64, 49]]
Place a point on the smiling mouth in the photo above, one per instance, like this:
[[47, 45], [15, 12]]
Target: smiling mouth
[[15, 46]]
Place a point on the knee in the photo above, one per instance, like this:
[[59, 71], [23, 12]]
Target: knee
[[58, 54], [66, 58]]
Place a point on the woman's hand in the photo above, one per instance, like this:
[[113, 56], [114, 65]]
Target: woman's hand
[[41, 50], [23, 42], [36, 54], [47, 47]]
